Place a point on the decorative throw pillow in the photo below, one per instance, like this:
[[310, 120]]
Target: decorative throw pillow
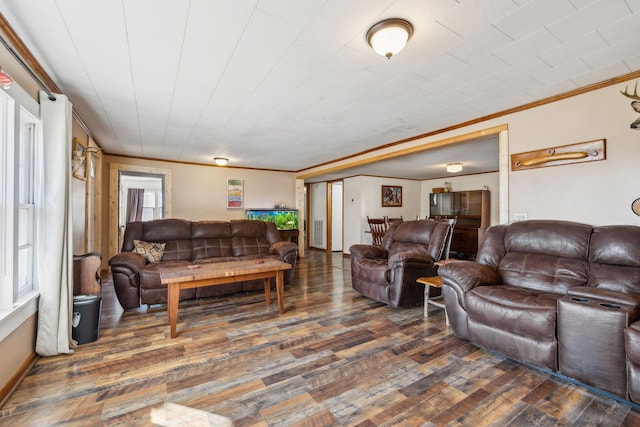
[[152, 252]]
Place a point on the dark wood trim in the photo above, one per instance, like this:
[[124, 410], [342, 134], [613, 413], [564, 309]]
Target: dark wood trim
[[17, 377], [182, 162], [23, 51]]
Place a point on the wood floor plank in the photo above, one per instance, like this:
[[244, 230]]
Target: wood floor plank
[[334, 358]]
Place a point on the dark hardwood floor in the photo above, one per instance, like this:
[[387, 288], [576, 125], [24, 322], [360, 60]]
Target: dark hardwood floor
[[334, 358]]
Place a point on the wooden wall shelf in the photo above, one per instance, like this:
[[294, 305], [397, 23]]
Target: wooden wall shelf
[[575, 153]]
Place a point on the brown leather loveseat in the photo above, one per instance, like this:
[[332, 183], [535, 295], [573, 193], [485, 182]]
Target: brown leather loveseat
[[137, 281], [388, 273], [559, 295]]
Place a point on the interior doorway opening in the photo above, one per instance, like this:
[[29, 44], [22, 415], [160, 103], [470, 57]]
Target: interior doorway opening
[[140, 198], [136, 176]]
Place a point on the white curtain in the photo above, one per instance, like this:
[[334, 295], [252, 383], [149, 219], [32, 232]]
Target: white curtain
[[54, 268]]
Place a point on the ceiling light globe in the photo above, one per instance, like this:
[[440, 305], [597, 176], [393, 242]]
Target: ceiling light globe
[[390, 36], [454, 167], [221, 161]]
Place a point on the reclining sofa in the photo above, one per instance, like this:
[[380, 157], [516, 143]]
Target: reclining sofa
[[137, 280], [560, 295], [388, 273]]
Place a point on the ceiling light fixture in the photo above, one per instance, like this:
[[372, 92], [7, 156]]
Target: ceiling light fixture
[[389, 37], [454, 167], [221, 161]]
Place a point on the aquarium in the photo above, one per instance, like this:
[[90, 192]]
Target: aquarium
[[285, 219]]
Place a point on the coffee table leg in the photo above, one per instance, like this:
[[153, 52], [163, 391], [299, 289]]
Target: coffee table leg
[[280, 290], [173, 298], [267, 290]]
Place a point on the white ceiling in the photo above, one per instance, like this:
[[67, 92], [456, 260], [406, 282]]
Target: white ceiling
[[290, 84]]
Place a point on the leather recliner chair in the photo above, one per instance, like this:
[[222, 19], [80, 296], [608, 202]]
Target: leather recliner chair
[[560, 295], [388, 273]]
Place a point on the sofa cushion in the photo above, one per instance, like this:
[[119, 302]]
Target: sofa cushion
[[418, 236], [517, 322], [517, 310], [163, 230], [211, 239], [249, 238], [546, 237], [178, 250], [544, 255], [151, 251], [543, 273], [615, 258]]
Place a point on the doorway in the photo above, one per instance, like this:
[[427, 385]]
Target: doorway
[[140, 198], [158, 194]]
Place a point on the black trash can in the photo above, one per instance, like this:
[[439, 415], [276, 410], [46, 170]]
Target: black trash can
[[86, 318]]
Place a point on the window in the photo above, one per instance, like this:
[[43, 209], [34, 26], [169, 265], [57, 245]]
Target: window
[[25, 249], [7, 163], [18, 147], [20, 140], [152, 205]]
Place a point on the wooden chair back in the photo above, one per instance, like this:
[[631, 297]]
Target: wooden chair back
[[378, 227], [452, 224], [388, 220]]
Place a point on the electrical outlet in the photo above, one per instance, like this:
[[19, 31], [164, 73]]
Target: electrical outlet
[[520, 217]]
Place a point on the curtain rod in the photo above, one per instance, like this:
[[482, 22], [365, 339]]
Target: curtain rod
[[27, 69]]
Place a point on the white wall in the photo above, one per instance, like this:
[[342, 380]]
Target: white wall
[[466, 183], [363, 197], [596, 193], [355, 221]]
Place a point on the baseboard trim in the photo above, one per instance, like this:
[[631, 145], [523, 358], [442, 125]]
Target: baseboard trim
[[17, 378]]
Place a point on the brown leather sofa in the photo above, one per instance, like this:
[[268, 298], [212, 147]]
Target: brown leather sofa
[[137, 281], [388, 273], [559, 295]]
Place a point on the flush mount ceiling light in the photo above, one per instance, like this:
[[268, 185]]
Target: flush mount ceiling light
[[389, 37], [454, 167], [221, 161]]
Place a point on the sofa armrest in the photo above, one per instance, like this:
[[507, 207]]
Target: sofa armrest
[[466, 275], [605, 295], [410, 257], [134, 262], [368, 252], [125, 269], [282, 249]]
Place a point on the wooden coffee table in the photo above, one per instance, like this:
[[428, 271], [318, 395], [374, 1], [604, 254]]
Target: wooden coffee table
[[199, 275]]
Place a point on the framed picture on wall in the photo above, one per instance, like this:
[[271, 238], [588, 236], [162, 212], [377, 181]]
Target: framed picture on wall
[[391, 196], [235, 194]]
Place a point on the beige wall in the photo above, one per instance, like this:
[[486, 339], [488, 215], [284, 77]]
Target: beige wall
[[199, 192], [17, 349], [596, 192]]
